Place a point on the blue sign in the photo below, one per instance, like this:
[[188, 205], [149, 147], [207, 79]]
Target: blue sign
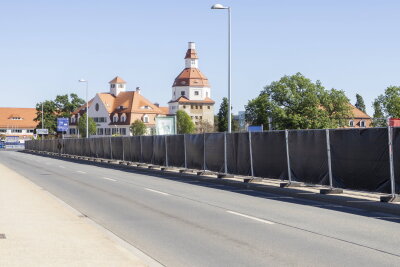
[[255, 128], [62, 124]]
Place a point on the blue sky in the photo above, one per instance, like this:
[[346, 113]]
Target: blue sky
[[46, 46]]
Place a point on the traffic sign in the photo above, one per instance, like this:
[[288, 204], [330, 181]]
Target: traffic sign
[[62, 124], [42, 131]]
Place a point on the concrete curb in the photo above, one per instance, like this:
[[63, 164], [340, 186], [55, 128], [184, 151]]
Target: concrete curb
[[352, 201]]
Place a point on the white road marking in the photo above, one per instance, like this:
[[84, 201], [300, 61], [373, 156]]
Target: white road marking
[[159, 192], [61, 167], [81, 172], [110, 179], [250, 217]]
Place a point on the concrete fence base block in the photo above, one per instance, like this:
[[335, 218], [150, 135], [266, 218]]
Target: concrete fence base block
[[164, 169], [331, 191], [292, 184], [225, 175], [249, 180], [141, 165], [390, 198], [205, 173], [185, 171], [153, 166], [113, 161]]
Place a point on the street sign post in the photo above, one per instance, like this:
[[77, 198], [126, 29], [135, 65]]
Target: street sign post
[[62, 124]]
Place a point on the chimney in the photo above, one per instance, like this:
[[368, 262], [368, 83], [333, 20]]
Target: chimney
[[157, 105], [138, 90]]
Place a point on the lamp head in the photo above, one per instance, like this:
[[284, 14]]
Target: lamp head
[[219, 6], [82, 81]]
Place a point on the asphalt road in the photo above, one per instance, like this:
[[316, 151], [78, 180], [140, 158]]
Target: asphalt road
[[180, 221]]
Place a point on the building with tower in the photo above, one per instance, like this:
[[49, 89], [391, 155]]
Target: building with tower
[[191, 91], [116, 110]]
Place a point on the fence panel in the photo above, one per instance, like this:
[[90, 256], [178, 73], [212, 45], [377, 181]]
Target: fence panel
[[269, 154], [194, 151], [147, 147], [308, 156], [360, 159], [396, 157], [238, 153], [159, 150], [176, 150], [116, 145], [215, 152]]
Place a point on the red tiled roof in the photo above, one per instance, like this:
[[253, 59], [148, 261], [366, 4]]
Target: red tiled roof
[[117, 80], [183, 99], [27, 116], [191, 77]]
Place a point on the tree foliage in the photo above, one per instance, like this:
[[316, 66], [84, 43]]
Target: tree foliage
[[82, 126], [360, 103], [204, 126], [222, 122], [379, 119], [60, 107], [295, 102], [389, 102], [184, 123], [138, 128]]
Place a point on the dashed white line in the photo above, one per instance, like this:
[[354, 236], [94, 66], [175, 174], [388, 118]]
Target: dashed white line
[[81, 172], [249, 217], [110, 179], [156, 191]]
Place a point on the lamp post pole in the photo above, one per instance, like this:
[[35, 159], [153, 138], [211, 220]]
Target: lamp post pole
[[87, 106], [219, 6]]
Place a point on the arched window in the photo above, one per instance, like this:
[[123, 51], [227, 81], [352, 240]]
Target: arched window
[[351, 123], [123, 117], [115, 118], [146, 119], [362, 123]]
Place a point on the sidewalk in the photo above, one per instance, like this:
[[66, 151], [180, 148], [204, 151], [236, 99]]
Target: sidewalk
[[41, 230]]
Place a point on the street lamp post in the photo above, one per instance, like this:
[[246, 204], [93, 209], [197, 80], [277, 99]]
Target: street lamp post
[[219, 6], [87, 106]]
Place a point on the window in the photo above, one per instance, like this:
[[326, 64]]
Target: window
[[3, 130], [196, 92], [191, 117], [201, 107], [201, 117], [146, 119], [351, 123], [182, 92], [115, 118], [96, 107], [123, 118], [114, 130], [120, 86], [100, 131], [16, 131], [29, 131], [184, 106], [107, 131], [122, 131], [16, 118], [206, 94], [208, 107], [196, 117], [72, 131], [197, 107], [112, 85], [191, 106], [362, 123]]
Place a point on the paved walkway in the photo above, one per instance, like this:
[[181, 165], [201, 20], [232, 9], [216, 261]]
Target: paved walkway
[[40, 230]]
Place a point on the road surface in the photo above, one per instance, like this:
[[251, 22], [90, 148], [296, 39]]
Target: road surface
[[180, 221]]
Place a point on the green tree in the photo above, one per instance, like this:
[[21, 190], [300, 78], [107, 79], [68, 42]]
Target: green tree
[[82, 126], [222, 121], [138, 128], [62, 106], [258, 110], [379, 119], [184, 123], [294, 102], [389, 102], [360, 103]]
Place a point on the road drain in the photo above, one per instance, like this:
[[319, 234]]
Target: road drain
[[2, 236]]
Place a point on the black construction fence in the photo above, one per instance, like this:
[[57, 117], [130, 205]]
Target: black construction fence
[[358, 159]]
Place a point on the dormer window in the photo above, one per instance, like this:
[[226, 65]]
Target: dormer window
[[362, 123], [123, 117], [120, 86], [112, 85], [351, 123], [16, 118], [115, 118], [121, 107]]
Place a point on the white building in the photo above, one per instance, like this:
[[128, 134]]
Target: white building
[[117, 109]]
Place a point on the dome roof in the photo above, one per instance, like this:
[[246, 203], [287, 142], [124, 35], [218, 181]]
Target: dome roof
[[191, 77]]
